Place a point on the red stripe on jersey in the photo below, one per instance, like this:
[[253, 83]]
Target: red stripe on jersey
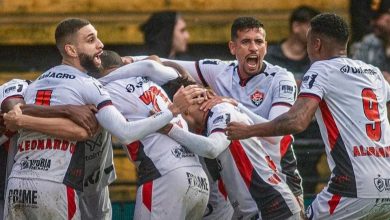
[[282, 104], [333, 202], [285, 144], [243, 163], [133, 149], [309, 95], [330, 124], [147, 189], [104, 104], [221, 188], [200, 75], [71, 202]]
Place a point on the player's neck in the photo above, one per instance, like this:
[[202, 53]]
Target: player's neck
[[73, 63]]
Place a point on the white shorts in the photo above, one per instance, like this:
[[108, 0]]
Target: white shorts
[[180, 194], [97, 206], [35, 199], [331, 206], [219, 206]]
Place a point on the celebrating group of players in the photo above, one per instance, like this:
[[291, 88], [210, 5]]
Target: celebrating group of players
[[224, 152]]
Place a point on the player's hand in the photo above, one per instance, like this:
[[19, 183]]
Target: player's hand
[[127, 60], [215, 100], [84, 116], [236, 131], [189, 95], [12, 118]]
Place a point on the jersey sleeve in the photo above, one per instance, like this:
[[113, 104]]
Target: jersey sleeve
[[207, 69], [94, 93], [219, 119], [13, 89], [146, 68], [314, 83], [284, 89]]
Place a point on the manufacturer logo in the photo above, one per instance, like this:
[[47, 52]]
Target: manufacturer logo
[[198, 182], [41, 164], [130, 88], [257, 97], [180, 152], [382, 184]]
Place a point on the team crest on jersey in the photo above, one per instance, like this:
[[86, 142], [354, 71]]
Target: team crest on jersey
[[257, 97], [382, 183]]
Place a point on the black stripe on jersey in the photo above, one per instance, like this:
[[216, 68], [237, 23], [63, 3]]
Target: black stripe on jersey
[[282, 103], [147, 171], [200, 75], [343, 182], [310, 95], [75, 173], [288, 164], [217, 130], [269, 201], [104, 104]]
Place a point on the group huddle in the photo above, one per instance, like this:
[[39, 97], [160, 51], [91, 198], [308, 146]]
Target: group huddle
[[211, 139]]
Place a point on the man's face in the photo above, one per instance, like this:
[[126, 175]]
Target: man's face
[[381, 26], [180, 37], [249, 48], [89, 48], [310, 46]]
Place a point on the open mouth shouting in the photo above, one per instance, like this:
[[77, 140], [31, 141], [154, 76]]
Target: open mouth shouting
[[252, 62], [96, 58]]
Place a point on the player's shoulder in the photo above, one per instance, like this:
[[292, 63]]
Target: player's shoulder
[[223, 108], [14, 87], [278, 72], [131, 84], [217, 63], [61, 72]]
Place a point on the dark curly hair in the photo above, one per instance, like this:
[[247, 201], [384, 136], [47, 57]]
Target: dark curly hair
[[242, 23], [330, 25]]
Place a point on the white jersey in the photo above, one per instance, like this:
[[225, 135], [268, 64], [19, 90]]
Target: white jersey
[[251, 178], [11, 89], [49, 158], [273, 86], [156, 154], [352, 117]]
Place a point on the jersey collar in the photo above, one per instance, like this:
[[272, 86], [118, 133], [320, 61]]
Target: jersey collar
[[243, 82]]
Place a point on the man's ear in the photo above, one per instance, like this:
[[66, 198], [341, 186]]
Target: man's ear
[[318, 44], [232, 47], [70, 50]]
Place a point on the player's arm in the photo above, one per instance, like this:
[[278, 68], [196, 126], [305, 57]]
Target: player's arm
[[157, 72], [296, 120], [57, 127], [6, 106], [81, 115], [129, 131], [209, 147]]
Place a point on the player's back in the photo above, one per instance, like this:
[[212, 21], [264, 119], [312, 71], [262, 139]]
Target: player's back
[[248, 172], [155, 154], [352, 116]]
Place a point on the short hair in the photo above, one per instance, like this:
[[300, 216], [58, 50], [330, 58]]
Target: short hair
[[243, 23], [111, 59], [303, 14], [66, 28], [330, 25], [172, 86]]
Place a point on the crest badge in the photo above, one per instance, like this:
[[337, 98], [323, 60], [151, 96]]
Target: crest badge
[[257, 97]]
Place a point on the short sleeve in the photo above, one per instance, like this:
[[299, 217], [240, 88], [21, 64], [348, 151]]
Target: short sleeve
[[208, 70], [14, 88], [284, 89], [314, 83], [219, 117], [94, 93]]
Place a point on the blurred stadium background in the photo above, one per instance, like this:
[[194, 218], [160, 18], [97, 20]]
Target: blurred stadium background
[[27, 49]]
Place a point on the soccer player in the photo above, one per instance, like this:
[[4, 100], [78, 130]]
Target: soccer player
[[50, 193], [172, 183], [250, 176], [267, 90], [349, 99]]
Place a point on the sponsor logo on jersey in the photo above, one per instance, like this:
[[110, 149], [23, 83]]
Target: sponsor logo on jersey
[[40, 164], [22, 196], [361, 151], [56, 75], [180, 152], [218, 119], [309, 80], [130, 88], [357, 70], [257, 97], [382, 184], [9, 89], [198, 182], [46, 144]]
